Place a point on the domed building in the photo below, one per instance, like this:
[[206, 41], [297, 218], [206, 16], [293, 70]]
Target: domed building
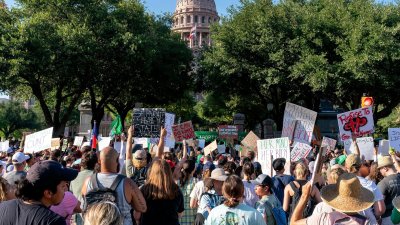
[[192, 19]]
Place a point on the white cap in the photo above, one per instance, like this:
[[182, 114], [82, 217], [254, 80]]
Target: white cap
[[19, 157], [9, 168], [4, 164]]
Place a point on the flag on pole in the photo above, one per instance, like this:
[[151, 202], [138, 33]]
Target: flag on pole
[[95, 133], [116, 127], [193, 32]]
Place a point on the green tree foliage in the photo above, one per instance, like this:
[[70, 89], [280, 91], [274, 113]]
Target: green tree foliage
[[14, 117], [303, 51]]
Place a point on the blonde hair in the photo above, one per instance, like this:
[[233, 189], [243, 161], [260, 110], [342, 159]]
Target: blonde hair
[[333, 175], [300, 170], [103, 213], [160, 184]]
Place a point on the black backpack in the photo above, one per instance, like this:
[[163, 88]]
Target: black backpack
[[139, 176], [97, 194], [308, 210]]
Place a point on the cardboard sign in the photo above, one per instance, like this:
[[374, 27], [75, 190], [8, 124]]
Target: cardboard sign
[[4, 146], [55, 143], [394, 138], [360, 122], [329, 143], [78, 140], [38, 141], [210, 148], [250, 141], [183, 131], [298, 123], [148, 122], [365, 144], [104, 142], [299, 151], [384, 147], [169, 122], [270, 149], [228, 132]]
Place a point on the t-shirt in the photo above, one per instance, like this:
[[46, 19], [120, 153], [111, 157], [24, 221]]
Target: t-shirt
[[66, 208], [197, 191], [14, 177], [322, 218], [390, 188], [278, 189], [240, 215], [210, 200], [163, 211], [266, 211], [250, 196], [16, 212]]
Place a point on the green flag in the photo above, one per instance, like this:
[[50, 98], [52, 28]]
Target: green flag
[[116, 127]]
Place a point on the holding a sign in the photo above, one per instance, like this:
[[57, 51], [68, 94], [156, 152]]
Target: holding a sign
[[359, 122], [78, 140], [249, 143], [300, 151], [148, 122], [228, 132], [394, 138], [38, 141], [329, 143], [271, 149], [365, 145], [210, 148], [183, 131]]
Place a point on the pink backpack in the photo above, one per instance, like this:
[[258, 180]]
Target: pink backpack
[[338, 218]]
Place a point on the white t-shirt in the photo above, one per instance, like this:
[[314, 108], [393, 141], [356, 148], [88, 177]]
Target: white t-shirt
[[197, 191]]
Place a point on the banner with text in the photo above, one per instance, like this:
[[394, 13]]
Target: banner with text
[[38, 141], [365, 145], [228, 132], [299, 151], [360, 122], [270, 149], [394, 138], [148, 122], [384, 147], [183, 131]]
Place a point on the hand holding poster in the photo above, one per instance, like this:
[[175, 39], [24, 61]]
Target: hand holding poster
[[104, 142], [365, 145], [359, 122], [299, 151], [78, 140], [394, 138], [183, 131], [250, 142], [329, 143], [228, 132], [298, 123], [270, 149], [55, 143], [210, 148], [38, 141], [148, 122]]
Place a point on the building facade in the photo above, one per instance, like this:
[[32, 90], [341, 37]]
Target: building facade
[[192, 20]]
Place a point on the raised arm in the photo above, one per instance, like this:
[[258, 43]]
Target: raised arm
[[184, 153], [128, 154], [161, 143], [356, 149]]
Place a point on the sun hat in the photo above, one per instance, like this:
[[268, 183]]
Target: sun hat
[[20, 157], [347, 195], [218, 174], [385, 161], [352, 160]]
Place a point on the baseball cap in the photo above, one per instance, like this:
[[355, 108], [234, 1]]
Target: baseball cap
[[263, 180], [42, 171], [218, 174], [279, 164], [341, 159], [140, 154], [208, 166], [19, 157]]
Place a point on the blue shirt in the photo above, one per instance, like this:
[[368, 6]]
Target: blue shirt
[[240, 215], [280, 182]]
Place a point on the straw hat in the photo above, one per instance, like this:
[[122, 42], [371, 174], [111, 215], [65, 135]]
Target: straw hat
[[347, 195], [385, 161], [396, 203]]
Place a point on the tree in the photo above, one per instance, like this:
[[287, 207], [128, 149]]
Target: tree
[[14, 117]]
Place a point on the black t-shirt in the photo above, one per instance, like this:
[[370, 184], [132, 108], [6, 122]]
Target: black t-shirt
[[163, 211], [390, 188], [16, 212]]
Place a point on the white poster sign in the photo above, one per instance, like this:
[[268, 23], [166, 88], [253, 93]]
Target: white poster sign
[[4, 146], [394, 138], [38, 141], [169, 122], [299, 151], [221, 149], [78, 140], [360, 122], [120, 147], [365, 144], [384, 147], [270, 149], [104, 142], [329, 143], [210, 148]]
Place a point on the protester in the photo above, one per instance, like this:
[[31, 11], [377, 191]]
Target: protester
[[187, 183], [18, 173], [68, 206], [104, 213], [250, 197], [395, 216], [128, 195], [208, 200], [199, 188], [232, 211], [136, 167], [43, 187], [280, 180]]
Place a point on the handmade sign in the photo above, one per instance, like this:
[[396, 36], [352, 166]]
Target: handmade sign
[[104, 142], [4, 146], [384, 147], [250, 141], [329, 143], [365, 145], [360, 122], [85, 144], [38, 141], [202, 143], [299, 151], [228, 132], [148, 122], [55, 143], [183, 131], [270, 149], [298, 123], [394, 138], [64, 145], [222, 149], [210, 148], [169, 122], [78, 140]]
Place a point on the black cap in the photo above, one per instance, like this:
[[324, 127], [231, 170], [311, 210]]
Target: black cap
[[263, 180], [42, 171], [279, 164]]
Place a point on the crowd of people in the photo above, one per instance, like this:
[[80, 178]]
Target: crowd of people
[[184, 186]]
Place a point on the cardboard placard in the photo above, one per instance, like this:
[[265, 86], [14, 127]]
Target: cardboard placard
[[329, 143], [86, 144], [365, 144], [228, 132], [298, 123], [148, 122], [250, 141], [270, 149], [78, 140], [299, 151], [38, 141], [183, 131], [360, 122], [394, 138], [210, 148], [384, 147], [169, 122]]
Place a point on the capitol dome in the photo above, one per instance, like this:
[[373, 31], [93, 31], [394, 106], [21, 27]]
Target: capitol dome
[[192, 19]]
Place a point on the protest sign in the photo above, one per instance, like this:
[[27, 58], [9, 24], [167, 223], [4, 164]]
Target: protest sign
[[38, 141], [104, 142], [66, 132], [64, 145], [141, 141], [120, 147], [250, 142], [221, 149], [183, 131], [298, 123], [365, 145], [210, 148], [270, 149], [394, 138], [202, 143], [148, 122], [384, 147], [169, 122], [360, 122], [55, 143], [329, 143], [78, 140], [299, 151], [4, 146], [228, 132], [86, 144]]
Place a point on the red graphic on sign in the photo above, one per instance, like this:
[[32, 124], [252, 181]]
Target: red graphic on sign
[[355, 124]]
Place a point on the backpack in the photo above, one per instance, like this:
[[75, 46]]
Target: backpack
[[278, 213], [308, 210], [139, 176], [338, 218], [97, 194]]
